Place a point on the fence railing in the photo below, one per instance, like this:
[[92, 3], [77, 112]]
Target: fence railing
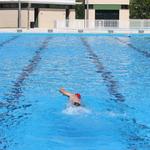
[[143, 24], [102, 24]]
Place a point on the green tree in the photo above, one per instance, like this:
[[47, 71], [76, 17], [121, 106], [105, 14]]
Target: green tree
[[80, 13], [140, 9]]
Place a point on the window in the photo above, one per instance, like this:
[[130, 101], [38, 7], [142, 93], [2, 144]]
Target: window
[[12, 5], [107, 14], [7, 5]]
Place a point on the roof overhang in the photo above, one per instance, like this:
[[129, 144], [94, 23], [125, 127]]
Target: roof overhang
[[119, 2], [62, 2]]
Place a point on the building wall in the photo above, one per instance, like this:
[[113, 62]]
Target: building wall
[[47, 17], [91, 14], [124, 18], [9, 18], [72, 14], [24, 17]]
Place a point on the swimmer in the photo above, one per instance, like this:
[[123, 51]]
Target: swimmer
[[74, 98]]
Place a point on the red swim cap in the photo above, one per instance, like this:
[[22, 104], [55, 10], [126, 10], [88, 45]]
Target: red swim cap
[[78, 95]]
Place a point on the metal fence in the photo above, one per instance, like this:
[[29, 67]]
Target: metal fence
[[102, 24], [77, 24]]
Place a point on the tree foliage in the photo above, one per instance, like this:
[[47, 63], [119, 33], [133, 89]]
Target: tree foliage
[[80, 13], [140, 9]]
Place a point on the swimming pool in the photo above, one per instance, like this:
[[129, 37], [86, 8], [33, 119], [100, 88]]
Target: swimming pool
[[112, 74]]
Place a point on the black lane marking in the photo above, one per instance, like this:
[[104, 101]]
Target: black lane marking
[[106, 75], [134, 138], [4, 144], [16, 91], [134, 133], [11, 99], [9, 40], [145, 53], [8, 118]]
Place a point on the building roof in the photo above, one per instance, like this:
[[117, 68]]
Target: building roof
[[62, 2]]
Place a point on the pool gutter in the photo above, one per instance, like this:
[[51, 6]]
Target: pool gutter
[[81, 31]]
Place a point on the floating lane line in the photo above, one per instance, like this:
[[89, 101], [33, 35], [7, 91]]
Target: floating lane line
[[145, 53], [107, 76]]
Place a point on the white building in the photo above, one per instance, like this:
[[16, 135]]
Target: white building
[[109, 10], [43, 13], [35, 13]]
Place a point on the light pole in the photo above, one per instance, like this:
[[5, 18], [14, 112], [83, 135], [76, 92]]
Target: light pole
[[19, 13]]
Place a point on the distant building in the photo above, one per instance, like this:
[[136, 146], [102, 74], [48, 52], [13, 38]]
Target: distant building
[[43, 13], [108, 10], [35, 13]]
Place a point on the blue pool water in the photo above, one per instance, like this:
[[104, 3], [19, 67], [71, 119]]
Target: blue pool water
[[112, 74]]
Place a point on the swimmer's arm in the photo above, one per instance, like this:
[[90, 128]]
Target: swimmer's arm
[[64, 92]]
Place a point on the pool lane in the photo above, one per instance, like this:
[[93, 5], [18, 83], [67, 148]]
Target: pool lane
[[130, 68], [10, 102], [14, 56], [8, 41], [106, 75], [124, 121], [26, 71], [66, 64], [141, 43], [129, 126], [124, 63], [145, 53], [16, 91]]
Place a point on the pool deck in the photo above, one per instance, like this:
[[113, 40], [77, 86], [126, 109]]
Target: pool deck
[[88, 31]]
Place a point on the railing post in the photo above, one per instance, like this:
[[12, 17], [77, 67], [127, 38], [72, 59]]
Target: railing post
[[55, 24], [29, 5], [103, 24]]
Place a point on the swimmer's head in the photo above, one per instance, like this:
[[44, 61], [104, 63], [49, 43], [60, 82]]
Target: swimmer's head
[[78, 95]]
